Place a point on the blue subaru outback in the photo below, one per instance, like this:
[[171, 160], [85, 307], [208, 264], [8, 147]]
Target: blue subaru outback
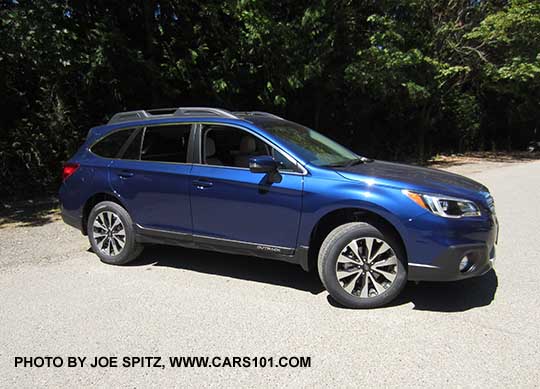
[[252, 183]]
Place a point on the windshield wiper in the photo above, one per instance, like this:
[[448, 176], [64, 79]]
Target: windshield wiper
[[358, 161], [349, 163]]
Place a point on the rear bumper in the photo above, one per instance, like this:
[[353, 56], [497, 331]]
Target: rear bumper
[[70, 219], [446, 266], [70, 206]]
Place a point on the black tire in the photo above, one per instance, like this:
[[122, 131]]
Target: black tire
[[336, 242], [131, 248]]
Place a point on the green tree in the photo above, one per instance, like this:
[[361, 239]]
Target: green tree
[[508, 45], [391, 79]]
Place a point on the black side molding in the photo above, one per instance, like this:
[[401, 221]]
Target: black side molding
[[286, 254]]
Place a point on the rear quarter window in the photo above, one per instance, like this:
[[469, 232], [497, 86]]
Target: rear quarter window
[[133, 149], [109, 146]]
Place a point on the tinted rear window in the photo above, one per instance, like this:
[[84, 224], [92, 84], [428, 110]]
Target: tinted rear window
[[166, 143], [109, 146]]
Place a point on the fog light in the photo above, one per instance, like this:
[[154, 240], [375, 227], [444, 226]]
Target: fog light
[[464, 264]]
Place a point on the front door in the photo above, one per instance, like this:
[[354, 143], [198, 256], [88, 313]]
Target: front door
[[235, 206]]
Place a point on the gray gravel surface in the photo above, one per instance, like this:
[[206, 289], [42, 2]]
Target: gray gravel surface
[[57, 299]]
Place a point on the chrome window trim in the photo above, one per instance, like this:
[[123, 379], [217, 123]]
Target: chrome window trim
[[143, 135], [198, 126], [191, 124], [246, 168]]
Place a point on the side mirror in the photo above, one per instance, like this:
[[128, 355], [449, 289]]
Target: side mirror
[[263, 164]]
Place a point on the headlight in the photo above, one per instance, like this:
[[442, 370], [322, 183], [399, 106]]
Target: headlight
[[444, 206]]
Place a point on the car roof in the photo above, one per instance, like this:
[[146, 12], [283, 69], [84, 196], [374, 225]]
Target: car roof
[[188, 112], [255, 120]]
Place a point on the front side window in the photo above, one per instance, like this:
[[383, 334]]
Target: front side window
[[229, 146], [166, 143], [310, 145], [110, 146]]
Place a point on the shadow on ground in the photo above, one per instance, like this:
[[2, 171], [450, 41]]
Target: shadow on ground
[[458, 296], [455, 296], [233, 266], [427, 296], [29, 213]]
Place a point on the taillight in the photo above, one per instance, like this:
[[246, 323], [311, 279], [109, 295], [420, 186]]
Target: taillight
[[69, 169]]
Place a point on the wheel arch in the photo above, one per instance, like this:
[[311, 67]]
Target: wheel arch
[[92, 201], [339, 216]]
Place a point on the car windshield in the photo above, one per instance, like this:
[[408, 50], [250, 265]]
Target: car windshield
[[310, 145]]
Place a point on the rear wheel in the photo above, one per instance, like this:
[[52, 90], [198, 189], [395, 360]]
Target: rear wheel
[[362, 267], [111, 234]]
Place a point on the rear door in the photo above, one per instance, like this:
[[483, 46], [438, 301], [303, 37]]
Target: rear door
[[152, 176]]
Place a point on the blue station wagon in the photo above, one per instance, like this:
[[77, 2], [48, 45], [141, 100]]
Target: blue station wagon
[[253, 183]]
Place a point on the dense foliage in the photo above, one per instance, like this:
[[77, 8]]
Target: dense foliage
[[392, 79]]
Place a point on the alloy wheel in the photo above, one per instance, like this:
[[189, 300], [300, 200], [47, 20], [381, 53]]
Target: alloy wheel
[[366, 267], [109, 233]]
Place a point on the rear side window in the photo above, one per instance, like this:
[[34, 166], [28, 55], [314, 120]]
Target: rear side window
[[166, 143], [109, 146]]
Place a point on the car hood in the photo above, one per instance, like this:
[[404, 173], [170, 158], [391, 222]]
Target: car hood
[[412, 177]]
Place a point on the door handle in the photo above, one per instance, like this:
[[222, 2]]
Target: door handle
[[125, 174], [202, 184]]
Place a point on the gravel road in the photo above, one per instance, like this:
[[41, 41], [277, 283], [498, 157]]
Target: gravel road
[[57, 299]]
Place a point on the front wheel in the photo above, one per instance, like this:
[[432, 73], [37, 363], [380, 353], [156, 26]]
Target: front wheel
[[361, 267], [111, 234]]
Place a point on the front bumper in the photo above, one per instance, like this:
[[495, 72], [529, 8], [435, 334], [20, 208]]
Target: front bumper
[[439, 246], [446, 266]]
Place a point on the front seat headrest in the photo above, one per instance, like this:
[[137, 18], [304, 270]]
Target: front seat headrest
[[248, 144], [210, 147]]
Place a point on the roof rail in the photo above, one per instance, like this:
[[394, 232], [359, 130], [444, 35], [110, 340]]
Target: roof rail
[[258, 113], [127, 116], [197, 111], [164, 112]]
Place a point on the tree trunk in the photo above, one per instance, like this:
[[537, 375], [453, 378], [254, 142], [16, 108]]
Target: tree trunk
[[421, 142]]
